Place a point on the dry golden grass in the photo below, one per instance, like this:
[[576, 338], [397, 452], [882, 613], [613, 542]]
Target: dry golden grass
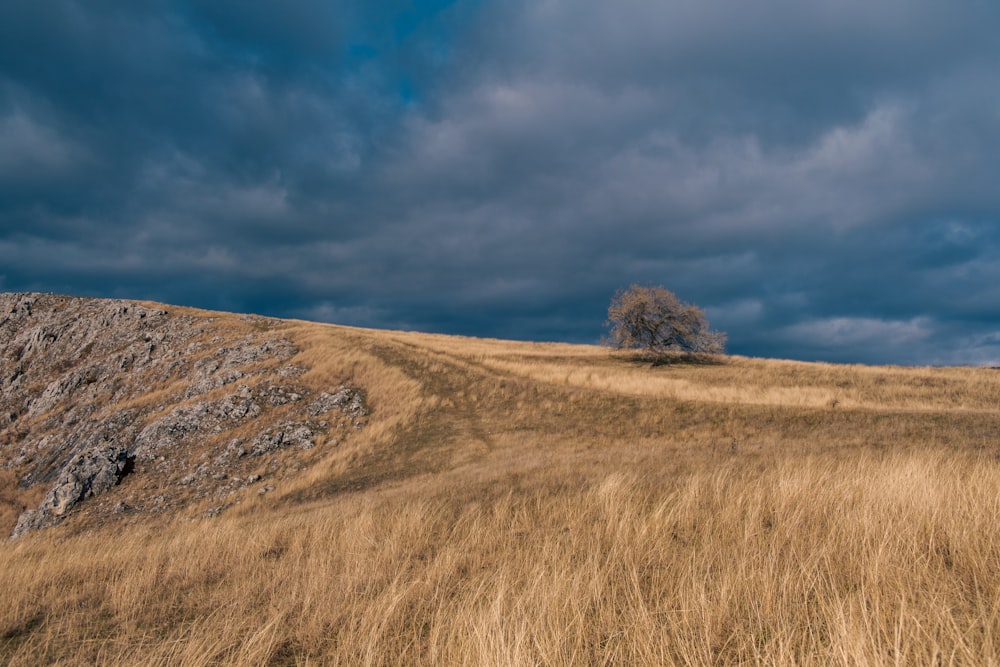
[[528, 504], [14, 500]]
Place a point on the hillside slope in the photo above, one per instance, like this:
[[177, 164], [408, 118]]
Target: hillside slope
[[187, 406], [202, 488]]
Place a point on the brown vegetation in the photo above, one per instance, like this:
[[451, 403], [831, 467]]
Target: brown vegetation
[[529, 504]]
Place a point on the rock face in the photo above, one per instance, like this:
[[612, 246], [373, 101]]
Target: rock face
[[87, 474], [96, 391]]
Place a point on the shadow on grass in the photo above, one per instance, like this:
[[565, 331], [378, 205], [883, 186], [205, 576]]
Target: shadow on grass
[[17, 633], [671, 359]]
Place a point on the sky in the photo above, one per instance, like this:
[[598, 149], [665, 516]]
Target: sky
[[821, 176]]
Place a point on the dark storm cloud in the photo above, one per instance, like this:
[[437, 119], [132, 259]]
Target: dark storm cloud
[[820, 176]]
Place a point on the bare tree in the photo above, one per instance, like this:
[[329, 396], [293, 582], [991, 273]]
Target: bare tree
[[654, 319]]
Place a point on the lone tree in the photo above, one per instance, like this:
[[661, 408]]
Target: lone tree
[[653, 318]]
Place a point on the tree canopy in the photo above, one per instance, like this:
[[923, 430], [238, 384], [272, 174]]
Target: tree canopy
[[654, 319]]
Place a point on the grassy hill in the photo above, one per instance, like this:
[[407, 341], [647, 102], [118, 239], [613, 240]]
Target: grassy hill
[[514, 503]]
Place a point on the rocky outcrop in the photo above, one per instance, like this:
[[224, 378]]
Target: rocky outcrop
[[349, 401], [87, 474], [93, 391]]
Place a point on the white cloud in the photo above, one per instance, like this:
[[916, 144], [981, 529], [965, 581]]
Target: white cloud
[[843, 332]]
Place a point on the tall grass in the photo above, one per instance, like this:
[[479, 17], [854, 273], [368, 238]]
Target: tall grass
[[825, 559], [516, 504]]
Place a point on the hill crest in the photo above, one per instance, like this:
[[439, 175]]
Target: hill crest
[[117, 411]]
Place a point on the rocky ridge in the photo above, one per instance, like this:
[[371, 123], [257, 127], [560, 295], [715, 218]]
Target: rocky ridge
[[184, 407]]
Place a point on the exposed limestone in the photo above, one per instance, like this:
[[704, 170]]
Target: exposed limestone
[[170, 430], [86, 475], [278, 395], [238, 406], [44, 458], [77, 415], [348, 400], [284, 435]]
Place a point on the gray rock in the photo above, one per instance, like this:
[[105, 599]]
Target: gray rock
[[276, 395], [287, 434], [172, 429], [211, 379], [237, 407], [349, 400], [88, 474]]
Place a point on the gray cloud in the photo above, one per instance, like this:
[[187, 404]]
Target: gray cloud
[[818, 175]]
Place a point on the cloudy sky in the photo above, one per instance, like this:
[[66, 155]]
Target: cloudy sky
[[822, 176]]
